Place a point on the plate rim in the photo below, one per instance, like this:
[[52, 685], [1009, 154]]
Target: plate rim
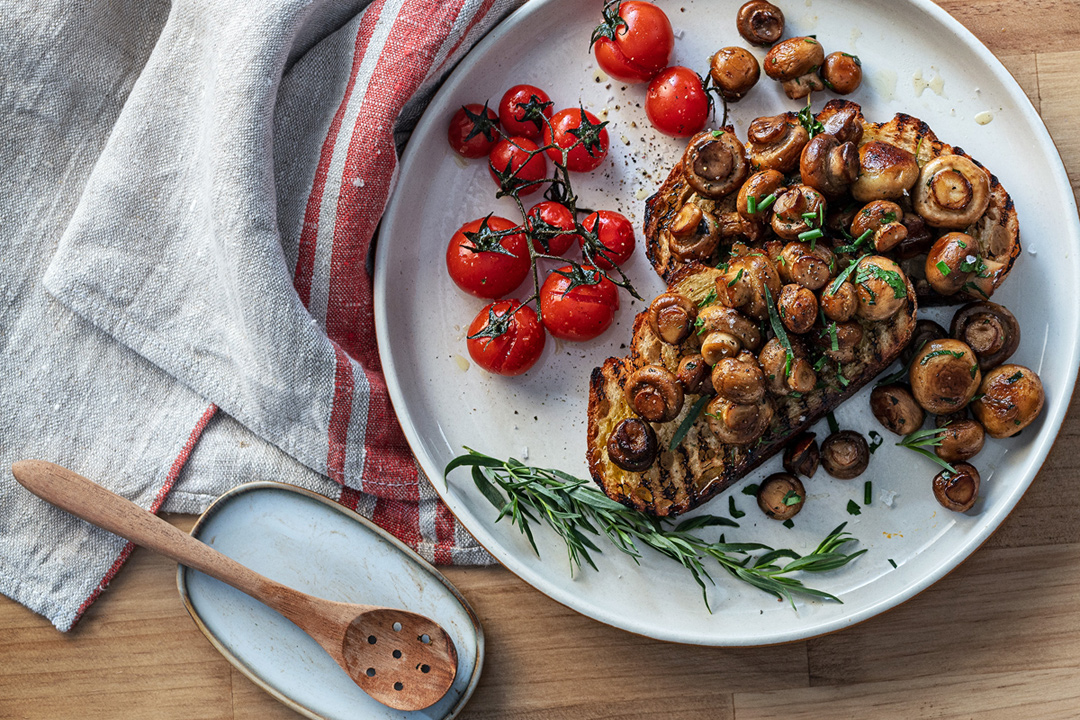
[[1038, 450]]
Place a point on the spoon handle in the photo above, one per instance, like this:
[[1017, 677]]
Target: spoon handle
[[86, 499]]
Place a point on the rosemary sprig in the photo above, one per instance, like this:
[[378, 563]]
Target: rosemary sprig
[[578, 512], [920, 440]]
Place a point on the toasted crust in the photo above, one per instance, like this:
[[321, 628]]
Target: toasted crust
[[700, 466]]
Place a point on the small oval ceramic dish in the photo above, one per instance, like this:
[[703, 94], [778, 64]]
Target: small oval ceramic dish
[[311, 543]]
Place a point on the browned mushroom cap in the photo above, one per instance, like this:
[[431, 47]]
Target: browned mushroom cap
[[884, 221], [941, 421], [925, 331], [952, 192], [841, 72], [829, 166], [788, 219], [693, 234], [799, 264], [957, 491], [839, 305], [737, 424], [989, 329], [718, 318], [961, 440], [775, 142], [715, 163], [632, 445], [944, 376], [881, 287], [894, 406], [734, 71], [845, 125], [952, 262], [693, 375], [784, 376], [654, 393], [794, 62], [845, 454], [671, 317], [744, 282], [798, 308], [759, 186], [886, 172], [781, 496], [1011, 398], [739, 379], [801, 456], [760, 22], [918, 241]]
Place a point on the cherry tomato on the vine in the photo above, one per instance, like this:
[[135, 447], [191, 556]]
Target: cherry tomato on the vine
[[615, 232], [506, 338], [546, 222], [677, 103], [522, 111], [511, 166], [486, 259], [634, 42], [578, 302], [473, 130], [570, 126]]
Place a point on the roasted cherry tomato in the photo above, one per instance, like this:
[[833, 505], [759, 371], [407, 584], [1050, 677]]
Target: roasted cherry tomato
[[510, 160], [523, 109], [676, 102], [634, 42], [473, 131], [578, 303], [506, 338], [570, 126], [546, 222], [485, 259], [615, 233]]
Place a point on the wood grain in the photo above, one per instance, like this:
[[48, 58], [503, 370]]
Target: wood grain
[[998, 638]]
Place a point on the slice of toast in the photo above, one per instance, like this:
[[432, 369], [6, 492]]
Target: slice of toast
[[700, 466], [997, 230]]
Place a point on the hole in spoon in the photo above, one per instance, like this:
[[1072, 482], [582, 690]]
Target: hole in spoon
[[371, 672], [397, 627], [425, 668], [397, 653], [398, 686], [372, 639]]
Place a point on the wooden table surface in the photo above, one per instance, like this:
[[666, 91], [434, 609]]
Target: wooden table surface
[[999, 637]]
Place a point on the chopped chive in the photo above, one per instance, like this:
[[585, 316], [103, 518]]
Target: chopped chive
[[767, 202], [891, 562], [737, 278], [844, 275], [834, 427], [942, 267], [751, 204], [867, 492], [811, 234]]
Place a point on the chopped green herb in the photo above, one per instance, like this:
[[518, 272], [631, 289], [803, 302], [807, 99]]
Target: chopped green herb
[[974, 370], [811, 235], [942, 267], [788, 524], [834, 427], [844, 274], [891, 562], [792, 498], [737, 278], [717, 133], [920, 440], [688, 421], [732, 510], [891, 277], [1014, 377], [767, 202], [708, 299], [875, 441], [936, 353], [751, 489], [976, 288], [853, 508], [751, 204], [840, 376], [778, 329], [867, 492], [889, 217], [856, 243]]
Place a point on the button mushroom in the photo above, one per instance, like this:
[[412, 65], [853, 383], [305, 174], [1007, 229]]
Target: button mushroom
[[794, 63], [744, 282], [671, 317], [988, 329], [784, 375], [952, 192], [801, 456], [797, 263], [845, 124], [739, 379], [734, 71], [798, 308], [881, 288], [848, 336], [960, 440], [715, 163], [793, 210], [925, 331], [841, 72], [918, 241], [654, 393], [726, 331], [632, 445], [1011, 397], [884, 221], [693, 234], [781, 496], [760, 22], [845, 454], [776, 142], [944, 376], [839, 305], [737, 424], [952, 262], [886, 172], [894, 407], [759, 186], [829, 166], [693, 375], [957, 491]]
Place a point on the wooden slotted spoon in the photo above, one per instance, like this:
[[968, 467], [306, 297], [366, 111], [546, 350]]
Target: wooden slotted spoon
[[400, 658]]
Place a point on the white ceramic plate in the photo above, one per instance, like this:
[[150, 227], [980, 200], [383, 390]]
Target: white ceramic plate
[[319, 547], [421, 315]]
